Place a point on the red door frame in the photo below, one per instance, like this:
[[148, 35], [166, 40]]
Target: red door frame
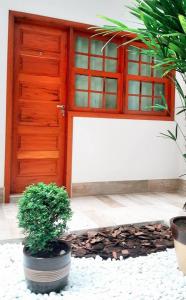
[[39, 20], [63, 24]]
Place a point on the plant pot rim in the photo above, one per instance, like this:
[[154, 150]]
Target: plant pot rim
[[68, 250], [178, 232], [173, 221]]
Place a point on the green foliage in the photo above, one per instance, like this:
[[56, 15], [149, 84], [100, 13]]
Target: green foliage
[[170, 135], [43, 212], [163, 31]]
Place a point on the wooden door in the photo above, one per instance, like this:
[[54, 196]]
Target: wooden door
[[38, 123]]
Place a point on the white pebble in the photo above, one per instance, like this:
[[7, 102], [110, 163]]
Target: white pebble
[[155, 277]]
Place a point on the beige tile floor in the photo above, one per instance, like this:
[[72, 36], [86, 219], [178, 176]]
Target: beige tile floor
[[102, 211]]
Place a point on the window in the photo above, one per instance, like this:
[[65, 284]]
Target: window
[[144, 85], [115, 79], [96, 75]]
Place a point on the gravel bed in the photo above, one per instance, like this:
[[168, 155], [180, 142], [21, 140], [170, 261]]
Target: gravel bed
[[151, 277]]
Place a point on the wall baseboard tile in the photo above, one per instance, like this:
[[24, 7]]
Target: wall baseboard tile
[[120, 187], [1, 194], [182, 186], [125, 187]]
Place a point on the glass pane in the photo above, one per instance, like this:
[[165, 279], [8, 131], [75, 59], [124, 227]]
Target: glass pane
[[81, 99], [96, 63], [81, 82], [158, 101], [146, 58], [81, 61], [110, 101], [96, 100], [111, 50], [145, 70], [157, 60], [134, 87], [159, 89], [82, 44], [146, 103], [133, 103], [133, 68], [96, 47], [146, 88], [110, 65], [133, 53], [111, 85], [96, 83], [158, 72]]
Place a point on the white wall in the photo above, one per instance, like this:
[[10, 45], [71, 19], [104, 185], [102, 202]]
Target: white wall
[[115, 149], [103, 149]]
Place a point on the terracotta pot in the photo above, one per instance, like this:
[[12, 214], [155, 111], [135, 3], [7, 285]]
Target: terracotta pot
[[178, 228], [44, 275]]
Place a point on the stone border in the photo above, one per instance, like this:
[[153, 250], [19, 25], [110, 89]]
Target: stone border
[[81, 231]]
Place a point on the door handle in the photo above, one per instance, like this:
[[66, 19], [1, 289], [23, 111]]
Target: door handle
[[62, 109]]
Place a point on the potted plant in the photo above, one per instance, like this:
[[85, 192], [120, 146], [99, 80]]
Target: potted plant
[[43, 212], [178, 228]]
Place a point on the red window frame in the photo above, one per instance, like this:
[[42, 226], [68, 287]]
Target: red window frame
[[140, 78], [123, 79], [104, 74]]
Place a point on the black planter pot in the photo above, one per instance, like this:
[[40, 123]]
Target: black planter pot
[[44, 275], [178, 228]]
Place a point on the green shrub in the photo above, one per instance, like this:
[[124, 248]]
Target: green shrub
[[43, 212]]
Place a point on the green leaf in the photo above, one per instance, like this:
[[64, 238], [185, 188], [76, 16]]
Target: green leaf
[[181, 111], [172, 135], [182, 22], [113, 21], [176, 131], [159, 107]]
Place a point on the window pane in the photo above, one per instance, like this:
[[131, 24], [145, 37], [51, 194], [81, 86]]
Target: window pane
[[133, 103], [133, 53], [133, 68], [158, 89], [81, 82], [111, 85], [110, 101], [82, 44], [145, 70], [146, 103], [146, 58], [134, 87], [96, 100], [96, 63], [146, 88], [81, 61], [158, 101], [111, 50], [96, 47], [158, 72], [96, 83], [110, 65], [81, 99], [157, 60]]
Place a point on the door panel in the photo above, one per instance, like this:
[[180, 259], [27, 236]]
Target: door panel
[[39, 66], [39, 129], [40, 92]]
